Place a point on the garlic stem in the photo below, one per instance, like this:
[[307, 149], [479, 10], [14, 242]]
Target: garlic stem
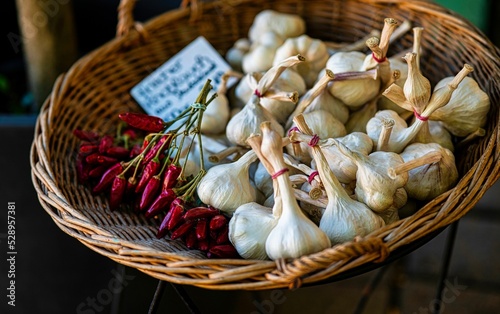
[[417, 37], [304, 197], [216, 158], [314, 92], [428, 158], [222, 90], [373, 44], [417, 88], [390, 25], [282, 96], [255, 142], [273, 73], [355, 46], [385, 135], [301, 167], [400, 31]]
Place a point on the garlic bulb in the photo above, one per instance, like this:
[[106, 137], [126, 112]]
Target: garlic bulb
[[294, 235], [417, 88], [314, 50], [282, 24], [435, 132], [428, 181], [467, 109], [353, 93], [216, 115], [359, 118], [248, 120], [343, 218], [234, 55], [249, 228], [261, 54], [227, 186], [391, 214], [263, 180]]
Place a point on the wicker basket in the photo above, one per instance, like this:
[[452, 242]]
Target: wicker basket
[[96, 89]]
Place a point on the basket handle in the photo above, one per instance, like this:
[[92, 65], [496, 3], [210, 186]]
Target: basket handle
[[126, 20]]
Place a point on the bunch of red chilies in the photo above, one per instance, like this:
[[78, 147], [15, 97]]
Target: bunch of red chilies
[[140, 167]]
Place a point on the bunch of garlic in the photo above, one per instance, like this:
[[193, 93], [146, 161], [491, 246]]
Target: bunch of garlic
[[343, 218]]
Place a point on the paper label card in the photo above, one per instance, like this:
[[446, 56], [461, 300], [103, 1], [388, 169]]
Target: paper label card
[[175, 85]]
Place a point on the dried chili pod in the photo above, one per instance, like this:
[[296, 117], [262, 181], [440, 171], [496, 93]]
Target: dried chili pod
[[191, 240], [143, 121], [182, 230], [177, 213], [98, 171], [105, 143], [203, 245], [135, 151], [129, 134], [89, 136], [163, 142], [217, 222], [223, 236], [82, 170], [92, 159], [106, 160], [161, 203], [108, 177], [202, 229], [87, 149], [222, 251], [118, 152], [171, 175], [117, 191], [149, 171], [200, 212], [150, 192]]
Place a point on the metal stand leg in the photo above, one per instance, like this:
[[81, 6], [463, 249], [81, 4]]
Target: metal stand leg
[[368, 290], [155, 303], [450, 242]]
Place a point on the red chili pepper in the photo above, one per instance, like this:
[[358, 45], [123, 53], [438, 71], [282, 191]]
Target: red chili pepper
[[108, 177], [130, 134], [222, 251], [82, 170], [105, 160], [92, 158], [182, 230], [105, 143], [135, 151], [163, 142], [143, 121], [150, 192], [191, 240], [87, 149], [177, 213], [86, 135], [202, 229], [161, 203], [131, 184], [150, 170], [223, 236], [203, 245], [217, 222], [117, 192], [171, 176], [200, 212], [118, 152], [98, 171]]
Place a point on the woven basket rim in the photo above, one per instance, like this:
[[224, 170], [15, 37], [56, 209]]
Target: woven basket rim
[[229, 274]]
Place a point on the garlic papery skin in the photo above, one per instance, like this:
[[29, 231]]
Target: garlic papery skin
[[428, 181], [227, 186], [283, 24], [343, 218], [294, 235], [353, 93], [261, 54], [466, 111], [314, 50], [391, 214], [249, 228]]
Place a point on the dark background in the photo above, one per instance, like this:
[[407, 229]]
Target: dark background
[[57, 274]]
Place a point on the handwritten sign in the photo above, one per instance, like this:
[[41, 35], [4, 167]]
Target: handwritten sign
[[176, 84]]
